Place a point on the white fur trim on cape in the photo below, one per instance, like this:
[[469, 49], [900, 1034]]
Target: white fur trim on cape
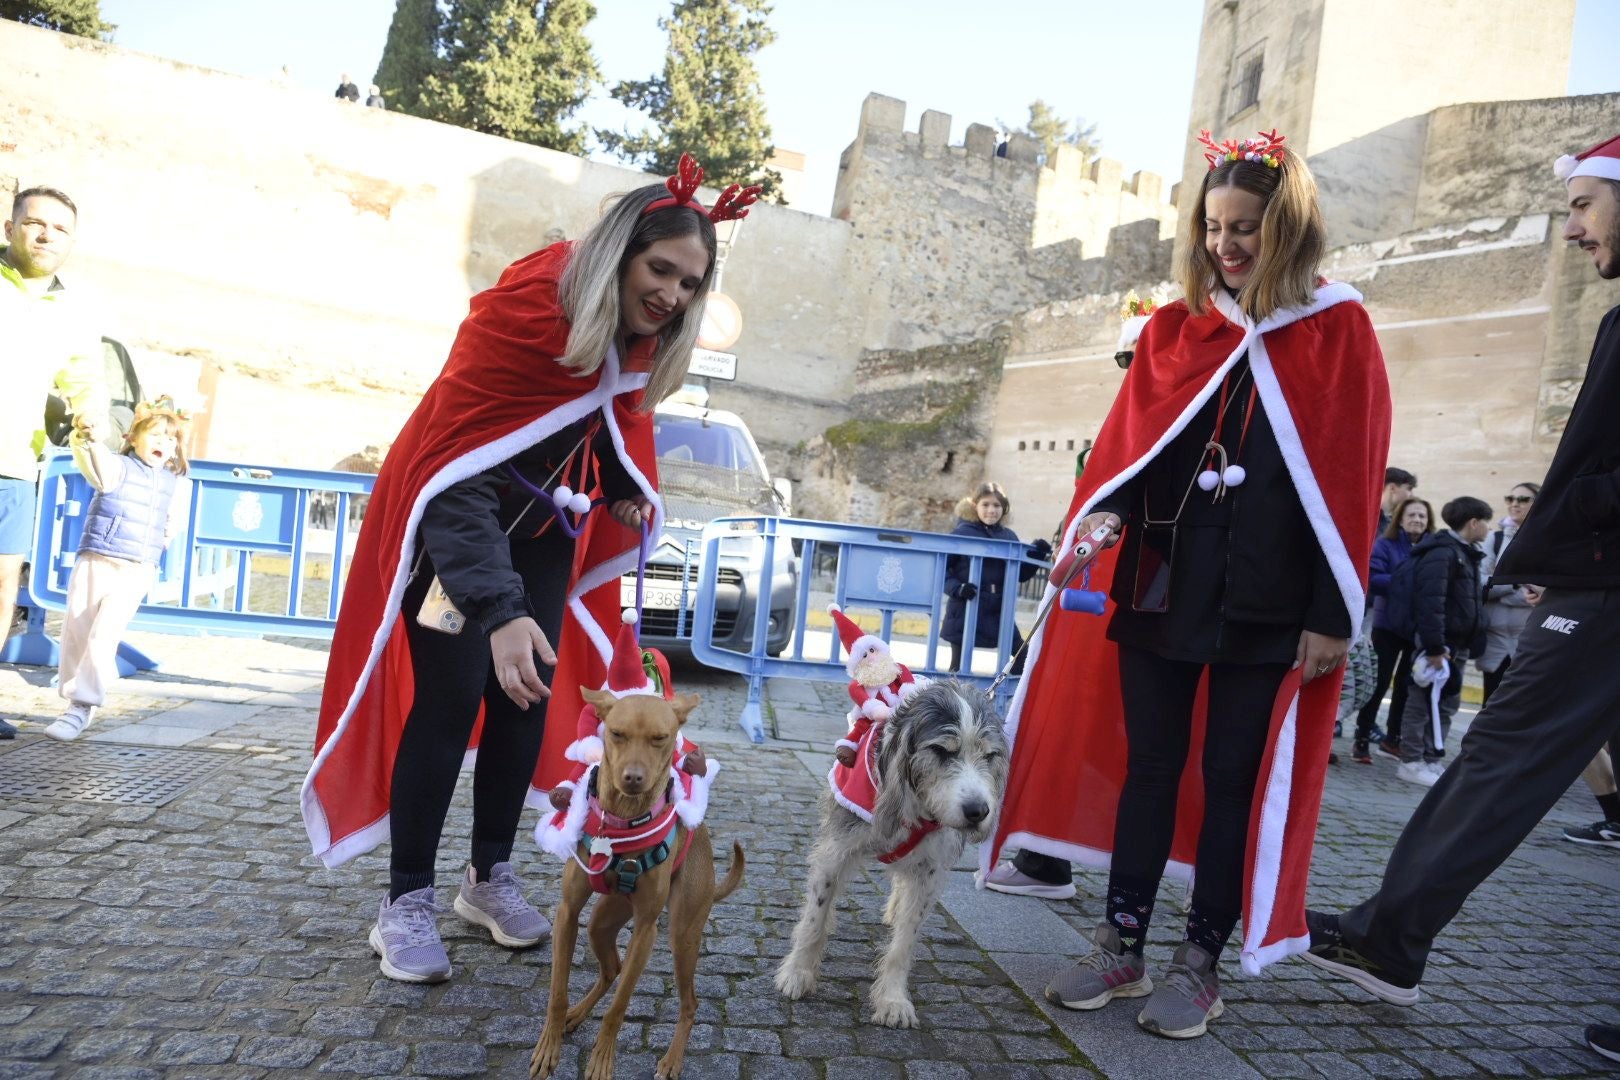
[[832, 786], [609, 385], [586, 751], [561, 840], [692, 806], [1268, 848]]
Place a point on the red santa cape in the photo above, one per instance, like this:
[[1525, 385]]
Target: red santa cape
[[1321, 378], [499, 393]]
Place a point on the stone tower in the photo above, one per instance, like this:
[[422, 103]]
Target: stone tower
[[1329, 72]]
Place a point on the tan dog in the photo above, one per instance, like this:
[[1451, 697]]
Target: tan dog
[[640, 734]]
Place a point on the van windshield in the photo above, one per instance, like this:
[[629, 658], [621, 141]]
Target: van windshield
[[688, 439]]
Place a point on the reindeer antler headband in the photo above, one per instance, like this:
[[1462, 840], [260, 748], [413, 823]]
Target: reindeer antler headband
[[732, 203], [1267, 150]]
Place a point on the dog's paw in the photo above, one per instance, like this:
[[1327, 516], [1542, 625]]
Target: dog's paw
[[795, 980], [547, 1053], [600, 1066], [896, 1012]]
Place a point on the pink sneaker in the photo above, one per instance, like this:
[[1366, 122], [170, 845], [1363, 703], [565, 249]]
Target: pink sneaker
[[1007, 878]]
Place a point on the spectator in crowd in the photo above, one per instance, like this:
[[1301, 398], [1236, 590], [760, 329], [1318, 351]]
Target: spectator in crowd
[[1398, 487], [1558, 703], [347, 90], [983, 515], [1412, 520], [48, 343], [374, 98], [1447, 629], [1507, 607]]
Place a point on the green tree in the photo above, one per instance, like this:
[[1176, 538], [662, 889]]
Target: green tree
[[411, 54], [566, 75], [1051, 131], [81, 17], [707, 101]]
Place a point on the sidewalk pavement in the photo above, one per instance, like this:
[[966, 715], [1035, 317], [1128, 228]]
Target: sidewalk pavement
[[161, 918]]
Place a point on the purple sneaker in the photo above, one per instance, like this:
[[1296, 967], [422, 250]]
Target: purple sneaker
[[1007, 878], [498, 906], [407, 938]]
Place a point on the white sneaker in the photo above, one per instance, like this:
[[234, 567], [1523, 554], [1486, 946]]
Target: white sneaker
[[1436, 770], [1417, 772], [72, 723]]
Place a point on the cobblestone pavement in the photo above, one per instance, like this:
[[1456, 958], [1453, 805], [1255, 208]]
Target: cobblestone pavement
[[198, 939]]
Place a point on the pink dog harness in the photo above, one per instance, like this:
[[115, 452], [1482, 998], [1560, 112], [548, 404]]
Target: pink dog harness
[[629, 847]]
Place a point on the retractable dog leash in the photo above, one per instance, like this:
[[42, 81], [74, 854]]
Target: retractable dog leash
[[1078, 563]]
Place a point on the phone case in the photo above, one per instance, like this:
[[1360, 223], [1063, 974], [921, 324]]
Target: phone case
[[439, 612]]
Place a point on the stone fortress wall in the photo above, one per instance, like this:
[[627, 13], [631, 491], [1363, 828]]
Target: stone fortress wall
[[958, 307]]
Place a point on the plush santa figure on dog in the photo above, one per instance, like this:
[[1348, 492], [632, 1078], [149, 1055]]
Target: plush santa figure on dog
[[634, 670], [878, 682]]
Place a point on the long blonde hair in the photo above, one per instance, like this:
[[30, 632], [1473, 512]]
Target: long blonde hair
[[590, 293], [1292, 238]]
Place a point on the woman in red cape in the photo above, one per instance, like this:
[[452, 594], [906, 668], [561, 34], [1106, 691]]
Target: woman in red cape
[[1244, 456], [541, 415]]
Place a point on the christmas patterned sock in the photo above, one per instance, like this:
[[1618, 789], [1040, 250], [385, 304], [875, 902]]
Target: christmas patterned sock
[[1209, 929], [1130, 909]]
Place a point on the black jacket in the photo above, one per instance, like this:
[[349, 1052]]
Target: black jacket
[[1446, 597], [464, 527], [1572, 538], [992, 581]]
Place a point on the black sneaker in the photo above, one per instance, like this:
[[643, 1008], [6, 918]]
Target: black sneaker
[[1329, 952], [7, 731], [1598, 834], [1605, 1039]]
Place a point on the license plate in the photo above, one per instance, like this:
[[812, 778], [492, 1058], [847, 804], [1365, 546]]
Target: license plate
[[660, 597]]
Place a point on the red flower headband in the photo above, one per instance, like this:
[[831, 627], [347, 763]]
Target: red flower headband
[[732, 203], [1267, 150]]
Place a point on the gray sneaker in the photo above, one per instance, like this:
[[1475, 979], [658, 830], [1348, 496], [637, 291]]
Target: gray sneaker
[[498, 905], [1188, 997], [1103, 974], [407, 939]]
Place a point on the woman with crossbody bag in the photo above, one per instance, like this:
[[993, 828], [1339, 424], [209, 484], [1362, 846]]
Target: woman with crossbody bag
[[501, 522]]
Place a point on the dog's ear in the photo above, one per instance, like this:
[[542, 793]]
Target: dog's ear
[[601, 699], [683, 704]]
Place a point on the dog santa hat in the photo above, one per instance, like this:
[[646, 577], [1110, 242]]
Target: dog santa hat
[[626, 675], [1602, 161]]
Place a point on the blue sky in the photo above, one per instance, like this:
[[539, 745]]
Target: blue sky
[[978, 61]]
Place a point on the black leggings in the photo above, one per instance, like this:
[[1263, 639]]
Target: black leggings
[[1017, 644], [453, 673], [1394, 664], [1158, 698]]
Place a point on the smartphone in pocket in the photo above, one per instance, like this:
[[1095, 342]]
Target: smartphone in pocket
[[1155, 554]]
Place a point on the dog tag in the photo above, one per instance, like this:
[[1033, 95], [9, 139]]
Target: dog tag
[[601, 845]]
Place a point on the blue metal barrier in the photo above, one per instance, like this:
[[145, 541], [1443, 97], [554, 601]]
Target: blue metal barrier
[[887, 570], [205, 579]]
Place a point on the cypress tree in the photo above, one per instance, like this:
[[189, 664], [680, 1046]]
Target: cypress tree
[[707, 100], [566, 74], [411, 54], [80, 17]]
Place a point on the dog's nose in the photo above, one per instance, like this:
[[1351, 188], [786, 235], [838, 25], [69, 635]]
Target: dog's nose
[[633, 780], [975, 811]]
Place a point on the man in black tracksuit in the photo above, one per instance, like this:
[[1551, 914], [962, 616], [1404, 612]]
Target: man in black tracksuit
[[1559, 701]]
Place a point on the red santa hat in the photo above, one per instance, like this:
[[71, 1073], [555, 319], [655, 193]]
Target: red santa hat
[[1602, 160], [857, 642], [626, 675]]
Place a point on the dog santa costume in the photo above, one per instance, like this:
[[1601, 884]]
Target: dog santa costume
[[565, 832], [499, 393], [1318, 371]]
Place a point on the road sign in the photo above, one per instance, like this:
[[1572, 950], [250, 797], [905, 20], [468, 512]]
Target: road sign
[[713, 365], [722, 322]]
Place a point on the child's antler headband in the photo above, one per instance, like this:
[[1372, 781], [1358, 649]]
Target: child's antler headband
[[733, 202], [162, 405], [1267, 150]]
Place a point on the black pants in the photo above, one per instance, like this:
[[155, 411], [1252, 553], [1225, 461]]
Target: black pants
[[1394, 661], [1555, 707], [1158, 698], [1017, 644], [454, 673], [1493, 679]]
